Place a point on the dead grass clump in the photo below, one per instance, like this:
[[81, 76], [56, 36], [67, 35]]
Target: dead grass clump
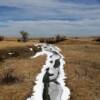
[[97, 39], [8, 77], [1, 59], [1, 38], [18, 40]]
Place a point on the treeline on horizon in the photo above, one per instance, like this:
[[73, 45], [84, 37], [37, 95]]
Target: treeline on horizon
[[25, 37], [54, 39]]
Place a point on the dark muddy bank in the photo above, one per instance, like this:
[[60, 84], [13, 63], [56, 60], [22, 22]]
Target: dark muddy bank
[[17, 52]]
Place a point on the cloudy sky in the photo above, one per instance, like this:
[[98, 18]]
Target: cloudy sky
[[49, 17]]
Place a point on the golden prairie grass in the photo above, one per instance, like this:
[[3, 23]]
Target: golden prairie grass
[[7, 44], [25, 70], [82, 69]]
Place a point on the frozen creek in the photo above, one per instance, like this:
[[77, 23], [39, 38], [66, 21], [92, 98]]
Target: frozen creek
[[50, 81]]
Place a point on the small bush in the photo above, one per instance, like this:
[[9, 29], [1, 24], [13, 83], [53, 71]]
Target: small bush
[[97, 40], [1, 59], [53, 40], [19, 40], [9, 78], [1, 38]]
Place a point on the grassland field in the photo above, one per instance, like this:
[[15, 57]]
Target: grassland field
[[82, 69]]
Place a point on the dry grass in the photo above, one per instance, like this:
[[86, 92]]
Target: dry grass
[[6, 44], [82, 68], [25, 70]]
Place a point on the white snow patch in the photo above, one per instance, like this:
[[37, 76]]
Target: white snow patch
[[38, 88]]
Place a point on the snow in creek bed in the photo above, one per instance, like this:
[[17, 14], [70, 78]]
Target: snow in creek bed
[[50, 82]]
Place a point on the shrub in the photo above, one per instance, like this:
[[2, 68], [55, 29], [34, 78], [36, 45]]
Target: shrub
[[19, 40], [97, 40], [8, 77], [1, 59], [1, 38]]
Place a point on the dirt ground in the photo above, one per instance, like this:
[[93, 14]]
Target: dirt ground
[[82, 69]]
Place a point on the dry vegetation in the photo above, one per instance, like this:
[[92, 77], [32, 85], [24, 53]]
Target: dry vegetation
[[53, 40], [17, 74], [82, 68]]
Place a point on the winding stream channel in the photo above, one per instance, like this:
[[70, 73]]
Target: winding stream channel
[[50, 82]]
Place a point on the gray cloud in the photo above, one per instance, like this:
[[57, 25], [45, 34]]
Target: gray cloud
[[52, 17], [48, 28], [52, 9]]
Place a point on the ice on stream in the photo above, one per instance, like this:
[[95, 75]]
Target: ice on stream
[[56, 91]]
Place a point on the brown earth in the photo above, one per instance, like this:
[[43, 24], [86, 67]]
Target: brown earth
[[82, 69]]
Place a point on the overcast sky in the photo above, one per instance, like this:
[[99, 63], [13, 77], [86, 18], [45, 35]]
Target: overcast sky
[[49, 17]]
